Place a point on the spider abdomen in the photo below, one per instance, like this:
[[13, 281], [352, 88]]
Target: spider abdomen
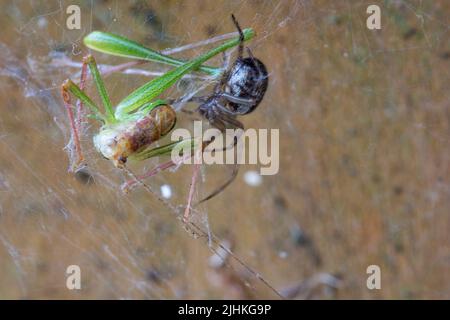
[[247, 80]]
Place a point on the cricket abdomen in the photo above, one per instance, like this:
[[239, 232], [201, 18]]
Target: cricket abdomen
[[118, 142]]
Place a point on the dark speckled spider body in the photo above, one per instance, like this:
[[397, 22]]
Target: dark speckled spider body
[[240, 90], [247, 80]]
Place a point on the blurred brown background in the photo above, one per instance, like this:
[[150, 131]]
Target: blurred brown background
[[364, 179]]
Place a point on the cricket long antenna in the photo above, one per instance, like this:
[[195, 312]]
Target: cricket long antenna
[[200, 232]]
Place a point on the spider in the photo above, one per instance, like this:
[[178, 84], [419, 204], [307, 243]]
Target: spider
[[239, 91]]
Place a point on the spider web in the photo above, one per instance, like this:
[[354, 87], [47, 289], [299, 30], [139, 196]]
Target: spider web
[[304, 230]]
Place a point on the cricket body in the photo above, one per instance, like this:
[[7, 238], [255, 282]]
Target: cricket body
[[118, 141], [138, 120]]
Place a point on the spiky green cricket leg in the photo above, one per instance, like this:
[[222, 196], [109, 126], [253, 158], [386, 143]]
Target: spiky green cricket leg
[[120, 46], [92, 64]]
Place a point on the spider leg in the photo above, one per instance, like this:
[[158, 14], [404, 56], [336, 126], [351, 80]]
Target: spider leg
[[233, 175], [225, 60], [223, 186], [197, 99], [227, 121], [223, 80], [200, 99], [238, 100], [249, 52], [224, 110], [241, 37], [219, 123], [129, 185], [226, 73], [231, 122]]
